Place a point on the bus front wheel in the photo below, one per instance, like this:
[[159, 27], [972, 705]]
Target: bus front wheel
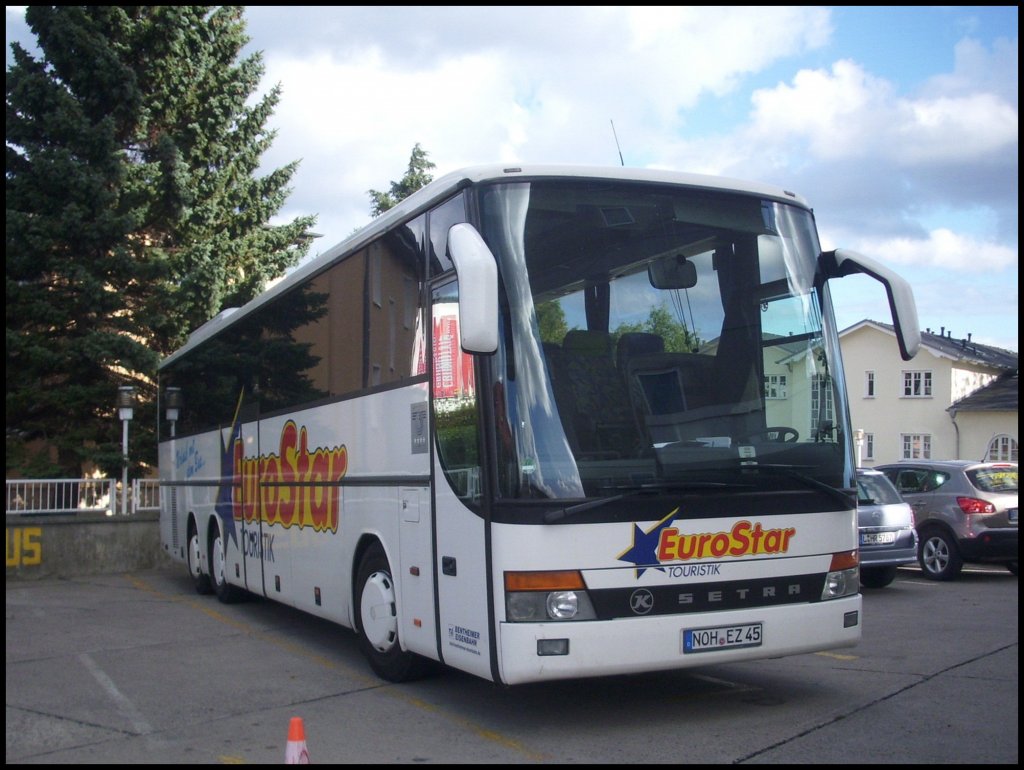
[[377, 620]]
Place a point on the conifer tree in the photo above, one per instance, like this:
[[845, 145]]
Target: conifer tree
[[417, 175], [134, 214]]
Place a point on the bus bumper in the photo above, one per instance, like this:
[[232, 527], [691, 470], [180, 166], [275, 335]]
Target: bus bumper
[[533, 652]]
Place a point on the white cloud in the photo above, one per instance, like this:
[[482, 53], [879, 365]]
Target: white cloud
[[977, 67], [848, 113], [545, 91], [922, 174], [944, 249]]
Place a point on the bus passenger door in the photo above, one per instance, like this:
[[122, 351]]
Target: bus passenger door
[[461, 547]]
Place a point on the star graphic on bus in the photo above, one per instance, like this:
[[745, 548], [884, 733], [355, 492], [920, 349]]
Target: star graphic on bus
[[644, 551], [225, 502]]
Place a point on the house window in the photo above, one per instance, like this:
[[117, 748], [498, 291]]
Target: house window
[[775, 386], [916, 446], [822, 407], [1002, 448], [917, 384], [869, 446], [869, 384]]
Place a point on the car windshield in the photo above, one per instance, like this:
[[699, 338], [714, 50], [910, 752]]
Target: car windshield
[[995, 478], [660, 337], [875, 489]]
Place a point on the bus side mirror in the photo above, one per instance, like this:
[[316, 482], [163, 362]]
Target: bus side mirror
[[842, 262], [478, 289]]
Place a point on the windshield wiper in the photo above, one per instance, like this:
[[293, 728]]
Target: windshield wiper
[[793, 472], [633, 490]]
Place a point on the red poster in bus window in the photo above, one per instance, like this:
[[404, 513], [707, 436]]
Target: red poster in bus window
[[453, 369]]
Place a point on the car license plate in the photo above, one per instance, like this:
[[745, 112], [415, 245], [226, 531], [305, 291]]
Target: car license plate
[[877, 538], [721, 637]]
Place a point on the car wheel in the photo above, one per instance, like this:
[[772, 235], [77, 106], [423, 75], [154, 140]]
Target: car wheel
[[877, 577], [200, 579], [938, 556], [377, 620]]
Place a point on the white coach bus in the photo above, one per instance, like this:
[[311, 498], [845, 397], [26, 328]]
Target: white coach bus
[[536, 423]]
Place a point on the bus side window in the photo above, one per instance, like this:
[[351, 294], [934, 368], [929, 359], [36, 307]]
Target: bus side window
[[393, 307], [451, 212]]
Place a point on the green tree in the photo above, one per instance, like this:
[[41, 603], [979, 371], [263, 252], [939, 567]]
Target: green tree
[[551, 319], [416, 176], [678, 338], [134, 213]]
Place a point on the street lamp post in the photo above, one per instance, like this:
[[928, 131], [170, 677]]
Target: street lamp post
[[172, 404], [125, 410]]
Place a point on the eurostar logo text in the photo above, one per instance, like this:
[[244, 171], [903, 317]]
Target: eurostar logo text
[[663, 543]]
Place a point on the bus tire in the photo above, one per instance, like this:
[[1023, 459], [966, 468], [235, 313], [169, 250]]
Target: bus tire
[[226, 593], [376, 608], [200, 579]]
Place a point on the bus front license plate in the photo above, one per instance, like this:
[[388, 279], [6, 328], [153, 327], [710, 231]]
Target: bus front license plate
[[721, 637]]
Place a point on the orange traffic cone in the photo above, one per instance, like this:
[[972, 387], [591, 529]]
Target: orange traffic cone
[[296, 752]]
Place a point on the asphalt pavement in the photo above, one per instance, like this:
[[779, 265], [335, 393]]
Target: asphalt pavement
[[135, 668]]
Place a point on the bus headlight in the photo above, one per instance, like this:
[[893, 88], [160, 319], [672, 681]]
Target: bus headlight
[[563, 604], [843, 578], [540, 597]]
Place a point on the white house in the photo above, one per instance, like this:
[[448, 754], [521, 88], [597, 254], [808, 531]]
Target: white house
[[956, 399]]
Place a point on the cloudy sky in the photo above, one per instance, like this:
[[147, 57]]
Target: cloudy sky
[[898, 124]]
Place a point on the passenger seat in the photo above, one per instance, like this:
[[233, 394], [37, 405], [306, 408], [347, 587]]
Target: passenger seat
[[602, 417]]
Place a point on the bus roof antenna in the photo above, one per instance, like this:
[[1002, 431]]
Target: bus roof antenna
[[617, 142]]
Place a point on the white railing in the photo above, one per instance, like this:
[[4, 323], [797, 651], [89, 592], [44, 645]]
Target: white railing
[[145, 495], [466, 482], [72, 496]]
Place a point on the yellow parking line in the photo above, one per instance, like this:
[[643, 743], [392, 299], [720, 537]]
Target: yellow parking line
[[837, 656]]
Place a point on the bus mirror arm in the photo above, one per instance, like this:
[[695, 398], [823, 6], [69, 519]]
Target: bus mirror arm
[[843, 262], [478, 289]]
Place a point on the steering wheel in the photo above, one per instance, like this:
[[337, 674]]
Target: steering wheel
[[777, 434]]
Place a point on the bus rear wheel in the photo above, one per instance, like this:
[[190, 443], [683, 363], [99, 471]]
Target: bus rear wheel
[[227, 593], [200, 579], [377, 620]]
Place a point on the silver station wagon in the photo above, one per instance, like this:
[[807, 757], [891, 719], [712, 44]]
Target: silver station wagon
[[886, 524]]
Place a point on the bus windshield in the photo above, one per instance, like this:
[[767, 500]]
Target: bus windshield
[[659, 338]]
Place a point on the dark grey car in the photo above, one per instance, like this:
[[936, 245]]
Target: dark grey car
[[886, 524], [965, 512]]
